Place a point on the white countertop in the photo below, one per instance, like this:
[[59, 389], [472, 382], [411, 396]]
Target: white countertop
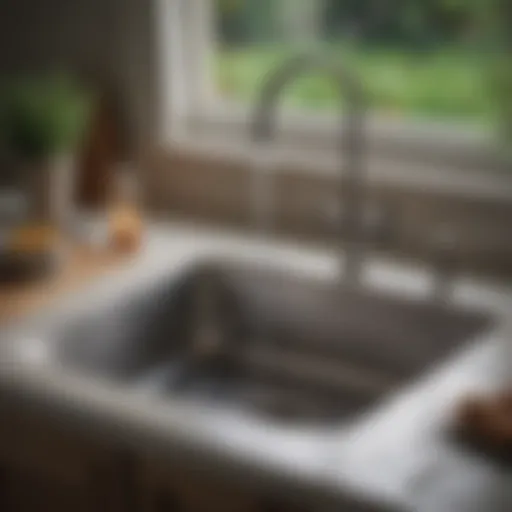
[[397, 450]]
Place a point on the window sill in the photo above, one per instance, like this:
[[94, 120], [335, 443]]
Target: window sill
[[445, 144], [475, 182]]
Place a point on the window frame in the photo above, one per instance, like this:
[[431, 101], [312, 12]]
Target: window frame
[[192, 110]]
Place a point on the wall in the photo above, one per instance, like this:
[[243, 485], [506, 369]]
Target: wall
[[110, 41], [113, 42], [216, 190]]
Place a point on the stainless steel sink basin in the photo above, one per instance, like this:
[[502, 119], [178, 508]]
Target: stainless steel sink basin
[[265, 342]]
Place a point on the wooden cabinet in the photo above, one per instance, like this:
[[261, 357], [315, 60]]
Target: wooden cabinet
[[46, 468], [26, 489], [162, 490]]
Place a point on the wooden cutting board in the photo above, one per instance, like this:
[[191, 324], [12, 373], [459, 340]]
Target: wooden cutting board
[[82, 266]]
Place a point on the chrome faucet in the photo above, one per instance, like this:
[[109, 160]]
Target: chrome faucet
[[352, 180]]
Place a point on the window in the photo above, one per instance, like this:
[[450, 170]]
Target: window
[[424, 66], [416, 58]]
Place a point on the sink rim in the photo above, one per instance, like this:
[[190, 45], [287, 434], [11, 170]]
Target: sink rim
[[191, 269]]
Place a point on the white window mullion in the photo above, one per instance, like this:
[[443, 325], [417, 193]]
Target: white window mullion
[[199, 30], [173, 88]]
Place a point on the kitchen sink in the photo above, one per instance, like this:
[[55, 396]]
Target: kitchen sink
[[265, 342]]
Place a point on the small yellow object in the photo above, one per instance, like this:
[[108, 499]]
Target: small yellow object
[[32, 238], [125, 228]]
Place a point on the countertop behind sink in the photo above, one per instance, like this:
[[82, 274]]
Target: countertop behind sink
[[397, 451]]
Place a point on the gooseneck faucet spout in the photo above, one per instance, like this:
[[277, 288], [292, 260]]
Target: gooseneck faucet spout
[[352, 175]]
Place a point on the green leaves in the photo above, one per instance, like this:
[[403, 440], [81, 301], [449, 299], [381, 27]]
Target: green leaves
[[41, 117]]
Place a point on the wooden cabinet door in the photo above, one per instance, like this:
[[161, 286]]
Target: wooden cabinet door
[[174, 490], [43, 468], [26, 490], [163, 490]]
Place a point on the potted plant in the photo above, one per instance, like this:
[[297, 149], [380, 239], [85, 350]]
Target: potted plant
[[42, 123]]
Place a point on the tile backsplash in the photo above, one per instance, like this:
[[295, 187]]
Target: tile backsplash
[[307, 206]]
